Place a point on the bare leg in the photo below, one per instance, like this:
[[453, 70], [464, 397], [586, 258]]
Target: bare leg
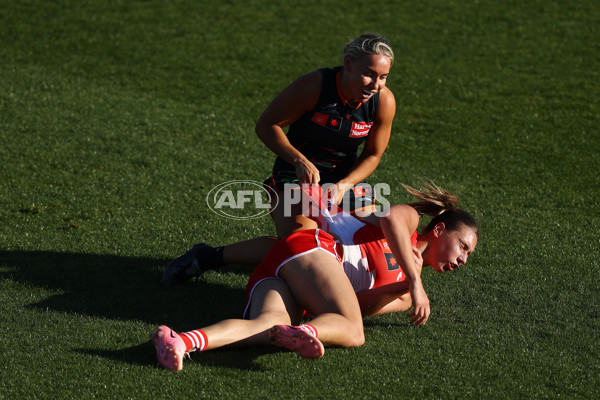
[[272, 304], [288, 218], [319, 284], [248, 252]]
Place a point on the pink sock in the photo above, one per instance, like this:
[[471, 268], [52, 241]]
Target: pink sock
[[195, 339]]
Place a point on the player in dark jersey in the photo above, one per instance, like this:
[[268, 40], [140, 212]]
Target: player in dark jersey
[[329, 114]]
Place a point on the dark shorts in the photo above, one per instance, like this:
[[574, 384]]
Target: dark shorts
[[358, 198]]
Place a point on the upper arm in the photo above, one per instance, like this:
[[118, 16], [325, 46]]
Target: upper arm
[[400, 215], [384, 299], [399, 304], [295, 100]]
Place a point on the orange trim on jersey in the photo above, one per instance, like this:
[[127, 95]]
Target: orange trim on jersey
[[339, 90]]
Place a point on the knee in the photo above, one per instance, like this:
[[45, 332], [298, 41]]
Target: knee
[[356, 337], [359, 339]]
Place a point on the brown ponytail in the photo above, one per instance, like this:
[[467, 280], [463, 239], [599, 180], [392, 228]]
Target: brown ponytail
[[434, 200], [443, 206]]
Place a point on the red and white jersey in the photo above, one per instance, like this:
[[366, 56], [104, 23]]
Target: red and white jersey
[[367, 259]]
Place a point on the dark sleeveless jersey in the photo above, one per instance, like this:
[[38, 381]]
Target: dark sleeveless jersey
[[330, 134]]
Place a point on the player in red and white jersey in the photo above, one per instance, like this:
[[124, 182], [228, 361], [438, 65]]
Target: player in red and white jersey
[[366, 256], [303, 272]]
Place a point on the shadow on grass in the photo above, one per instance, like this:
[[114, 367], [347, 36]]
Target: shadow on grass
[[120, 288], [380, 323], [129, 289], [144, 355]]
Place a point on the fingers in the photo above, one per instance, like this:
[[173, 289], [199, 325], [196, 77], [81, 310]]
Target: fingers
[[335, 193], [309, 176], [417, 319], [416, 252], [419, 315], [420, 302]]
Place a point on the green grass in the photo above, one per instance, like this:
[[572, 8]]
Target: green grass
[[117, 118]]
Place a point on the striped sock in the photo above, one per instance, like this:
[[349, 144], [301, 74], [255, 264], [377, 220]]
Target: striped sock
[[310, 329], [194, 340]]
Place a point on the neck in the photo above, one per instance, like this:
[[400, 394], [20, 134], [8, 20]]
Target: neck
[[423, 242], [343, 91]]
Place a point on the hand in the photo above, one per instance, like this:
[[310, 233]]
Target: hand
[[307, 173], [420, 301], [336, 192]]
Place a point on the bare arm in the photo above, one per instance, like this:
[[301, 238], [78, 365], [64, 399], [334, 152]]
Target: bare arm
[[397, 227], [298, 98], [384, 299]]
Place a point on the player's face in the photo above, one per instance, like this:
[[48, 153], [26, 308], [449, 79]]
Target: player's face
[[453, 248], [366, 76]]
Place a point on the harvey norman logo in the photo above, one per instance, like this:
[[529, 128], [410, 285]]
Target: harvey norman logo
[[360, 129]]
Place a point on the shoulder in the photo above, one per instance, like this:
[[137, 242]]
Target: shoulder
[[301, 95], [387, 103], [387, 96], [310, 81], [403, 213]]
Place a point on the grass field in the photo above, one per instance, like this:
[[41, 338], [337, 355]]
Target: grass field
[[118, 117]]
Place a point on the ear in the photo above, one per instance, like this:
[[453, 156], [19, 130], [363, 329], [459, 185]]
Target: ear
[[347, 63], [438, 229]]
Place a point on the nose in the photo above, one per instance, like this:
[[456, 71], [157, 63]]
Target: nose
[[462, 259], [376, 84], [380, 84]]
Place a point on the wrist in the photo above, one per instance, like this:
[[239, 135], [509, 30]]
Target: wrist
[[415, 281], [344, 185], [299, 160]]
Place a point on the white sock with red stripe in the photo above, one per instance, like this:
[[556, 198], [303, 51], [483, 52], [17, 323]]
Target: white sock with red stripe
[[310, 329], [195, 339]]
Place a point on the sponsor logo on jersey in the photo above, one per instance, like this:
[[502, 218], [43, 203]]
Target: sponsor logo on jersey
[[392, 263], [327, 121], [320, 119], [359, 191], [399, 278], [360, 129]]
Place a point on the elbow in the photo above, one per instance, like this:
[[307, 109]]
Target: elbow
[[261, 127], [371, 157]]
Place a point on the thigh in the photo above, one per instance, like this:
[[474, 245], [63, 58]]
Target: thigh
[[288, 217], [272, 299], [319, 284]]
